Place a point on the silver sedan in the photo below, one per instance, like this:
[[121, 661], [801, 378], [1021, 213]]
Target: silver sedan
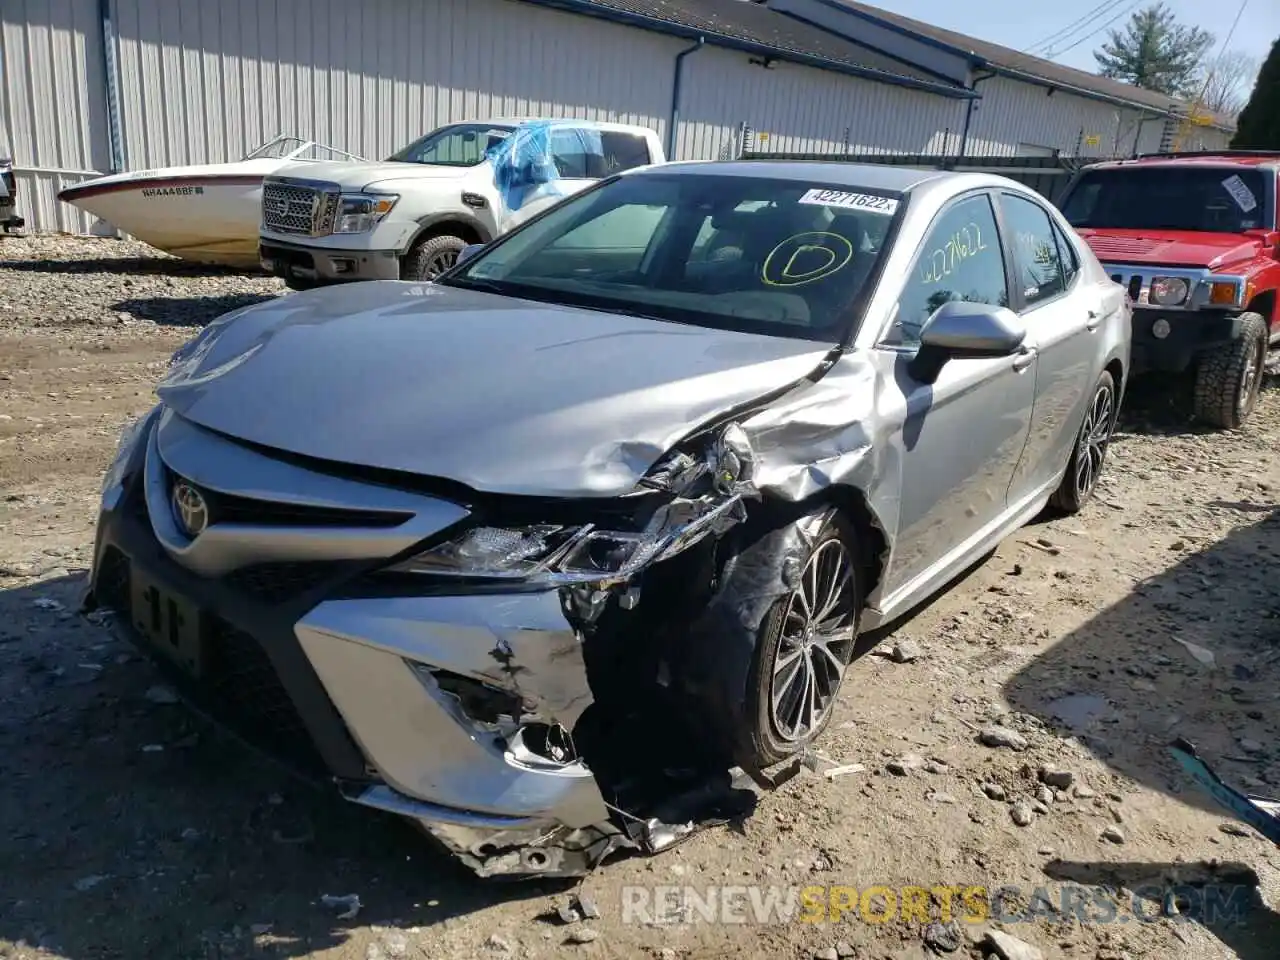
[[669, 446]]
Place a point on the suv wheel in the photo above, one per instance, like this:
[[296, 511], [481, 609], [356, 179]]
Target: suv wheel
[[1229, 377], [431, 257]]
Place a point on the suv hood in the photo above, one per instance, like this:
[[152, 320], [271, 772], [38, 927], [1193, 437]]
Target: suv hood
[[503, 395], [354, 175], [1182, 248]]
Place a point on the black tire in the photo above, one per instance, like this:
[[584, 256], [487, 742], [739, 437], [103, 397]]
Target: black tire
[[297, 284], [755, 619], [431, 257], [1089, 454], [1228, 378]]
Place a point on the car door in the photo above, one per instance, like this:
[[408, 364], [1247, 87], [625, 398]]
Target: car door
[[1062, 316], [957, 441]]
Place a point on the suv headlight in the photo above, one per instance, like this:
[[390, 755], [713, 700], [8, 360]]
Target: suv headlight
[[1168, 291], [360, 212]]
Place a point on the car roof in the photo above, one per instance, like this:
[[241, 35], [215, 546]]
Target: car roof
[[867, 176], [517, 121]]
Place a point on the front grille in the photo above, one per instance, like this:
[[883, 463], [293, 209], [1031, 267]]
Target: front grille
[[281, 582], [288, 208], [1134, 286], [233, 508], [239, 688], [242, 691]]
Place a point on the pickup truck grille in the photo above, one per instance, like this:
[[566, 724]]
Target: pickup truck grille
[[290, 208]]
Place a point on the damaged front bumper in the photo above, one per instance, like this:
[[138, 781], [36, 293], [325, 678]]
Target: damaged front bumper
[[452, 704]]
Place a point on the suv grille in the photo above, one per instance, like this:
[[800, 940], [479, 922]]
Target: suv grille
[[287, 208], [11, 186]]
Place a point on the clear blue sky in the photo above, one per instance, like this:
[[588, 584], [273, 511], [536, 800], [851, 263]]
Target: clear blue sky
[[1020, 24]]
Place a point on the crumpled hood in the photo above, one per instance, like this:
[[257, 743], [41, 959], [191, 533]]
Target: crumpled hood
[[358, 175], [1183, 248], [499, 394]]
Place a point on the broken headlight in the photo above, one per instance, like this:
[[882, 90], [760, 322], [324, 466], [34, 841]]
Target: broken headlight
[[542, 552], [707, 499]]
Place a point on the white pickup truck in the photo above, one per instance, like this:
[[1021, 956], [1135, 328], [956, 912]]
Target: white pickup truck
[[410, 216]]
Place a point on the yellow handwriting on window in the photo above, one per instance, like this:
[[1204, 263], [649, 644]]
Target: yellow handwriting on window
[[806, 257], [960, 246]]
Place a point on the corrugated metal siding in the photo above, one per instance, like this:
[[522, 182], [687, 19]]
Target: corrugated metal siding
[[51, 96], [795, 108], [368, 77], [1012, 112]]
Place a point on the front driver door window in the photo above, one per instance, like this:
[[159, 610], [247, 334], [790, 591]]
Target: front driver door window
[[959, 438]]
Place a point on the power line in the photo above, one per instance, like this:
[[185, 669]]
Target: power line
[[1127, 10], [1065, 32]]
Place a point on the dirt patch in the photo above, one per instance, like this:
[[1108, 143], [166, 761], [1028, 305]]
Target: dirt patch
[[129, 829]]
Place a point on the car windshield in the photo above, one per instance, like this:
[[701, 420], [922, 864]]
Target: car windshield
[[1211, 199], [459, 145], [782, 257]]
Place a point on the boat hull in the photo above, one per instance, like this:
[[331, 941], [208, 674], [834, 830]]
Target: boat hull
[[205, 218]]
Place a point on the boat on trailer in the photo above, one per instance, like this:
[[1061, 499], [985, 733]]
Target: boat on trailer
[[206, 213]]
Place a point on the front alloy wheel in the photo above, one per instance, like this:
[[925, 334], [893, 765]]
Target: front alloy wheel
[[1090, 452], [814, 645]]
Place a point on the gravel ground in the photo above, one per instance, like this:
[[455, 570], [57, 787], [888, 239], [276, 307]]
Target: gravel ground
[[129, 830]]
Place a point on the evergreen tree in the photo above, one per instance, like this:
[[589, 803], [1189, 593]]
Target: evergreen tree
[[1258, 126], [1156, 52]]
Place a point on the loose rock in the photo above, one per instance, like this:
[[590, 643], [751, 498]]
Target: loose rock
[[994, 791], [944, 937], [997, 736], [1113, 835], [498, 943], [1008, 947], [583, 935], [906, 651], [1057, 779]]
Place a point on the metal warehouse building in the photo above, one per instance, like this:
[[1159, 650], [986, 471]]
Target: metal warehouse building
[[91, 86]]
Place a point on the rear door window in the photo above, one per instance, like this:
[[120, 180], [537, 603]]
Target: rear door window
[[621, 151]]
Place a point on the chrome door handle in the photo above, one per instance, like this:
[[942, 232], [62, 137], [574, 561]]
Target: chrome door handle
[[1093, 322], [1024, 359]]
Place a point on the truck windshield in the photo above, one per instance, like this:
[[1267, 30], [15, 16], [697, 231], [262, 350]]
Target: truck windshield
[[459, 145], [779, 257], [1209, 199]]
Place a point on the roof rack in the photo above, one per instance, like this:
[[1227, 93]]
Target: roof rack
[[1174, 154]]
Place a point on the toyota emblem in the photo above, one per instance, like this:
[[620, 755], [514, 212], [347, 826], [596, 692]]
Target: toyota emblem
[[189, 509]]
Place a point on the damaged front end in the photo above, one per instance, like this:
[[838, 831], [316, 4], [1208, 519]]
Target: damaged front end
[[553, 739]]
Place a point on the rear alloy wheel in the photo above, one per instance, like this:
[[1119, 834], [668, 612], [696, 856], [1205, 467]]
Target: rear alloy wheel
[[431, 257], [1229, 377], [1090, 452]]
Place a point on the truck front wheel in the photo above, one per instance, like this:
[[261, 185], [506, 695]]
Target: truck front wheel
[[1228, 377], [431, 257]]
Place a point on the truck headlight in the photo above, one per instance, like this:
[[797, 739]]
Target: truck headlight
[[360, 212], [1168, 291]]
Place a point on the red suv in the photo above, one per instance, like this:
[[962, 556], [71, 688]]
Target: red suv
[[1195, 240]]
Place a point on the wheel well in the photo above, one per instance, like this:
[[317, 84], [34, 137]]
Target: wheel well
[[1116, 369], [852, 503], [1265, 304], [451, 228]]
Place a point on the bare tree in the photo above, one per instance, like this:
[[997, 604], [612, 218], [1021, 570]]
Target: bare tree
[[1226, 82]]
